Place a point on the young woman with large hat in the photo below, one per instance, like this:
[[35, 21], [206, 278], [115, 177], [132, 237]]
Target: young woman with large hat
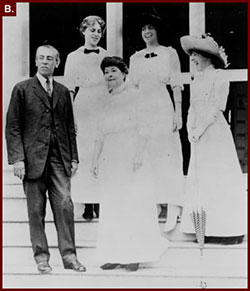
[[214, 169]]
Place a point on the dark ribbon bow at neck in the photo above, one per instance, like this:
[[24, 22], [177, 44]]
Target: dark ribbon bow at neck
[[87, 51], [150, 55]]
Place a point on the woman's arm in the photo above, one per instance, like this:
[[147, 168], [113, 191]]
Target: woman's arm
[[69, 74], [177, 86], [132, 79], [177, 123], [140, 149], [98, 146]]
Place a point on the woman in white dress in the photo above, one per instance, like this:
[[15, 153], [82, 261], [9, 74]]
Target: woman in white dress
[[84, 79], [128, 232], [214, 169], [151, 70]]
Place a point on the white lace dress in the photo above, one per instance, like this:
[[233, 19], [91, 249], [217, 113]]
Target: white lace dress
[[214, 168], [151, 75], [128, 227], [83, 71]]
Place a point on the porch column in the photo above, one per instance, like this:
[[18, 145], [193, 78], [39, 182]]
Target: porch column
[[196, 21], [15, 57], [114, 28]]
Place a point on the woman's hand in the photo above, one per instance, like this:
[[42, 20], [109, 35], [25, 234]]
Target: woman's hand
[[177, 122], [195, 135], [94, 170]]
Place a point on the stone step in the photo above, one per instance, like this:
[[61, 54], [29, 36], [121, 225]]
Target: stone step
[[181, 266], [13, 191], [140, 280], [17, 233], [92, 279], [22, 255], [15, 209], [9, 178]]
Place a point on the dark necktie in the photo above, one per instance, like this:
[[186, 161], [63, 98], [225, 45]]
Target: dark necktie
[[48, 87], [87, 51], [150, 55]]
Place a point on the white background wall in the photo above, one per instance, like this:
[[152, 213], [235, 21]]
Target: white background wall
[[15, 57]]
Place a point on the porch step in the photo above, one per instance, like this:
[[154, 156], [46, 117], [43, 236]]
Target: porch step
[[17, 233], [95, 279], [15, 209], [181, 266]]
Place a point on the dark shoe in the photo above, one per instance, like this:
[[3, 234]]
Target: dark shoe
[[75, 265], [88, 212], [109, 266], [230, 240], [44, 267], [132, 267], [96, 210], [163, 212], [88, 216]]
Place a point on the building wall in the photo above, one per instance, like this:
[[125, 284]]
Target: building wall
[[15, 56]]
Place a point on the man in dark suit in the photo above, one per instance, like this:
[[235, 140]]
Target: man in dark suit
[[41, 145]]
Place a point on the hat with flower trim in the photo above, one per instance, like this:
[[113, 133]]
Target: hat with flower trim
[[205, 43]]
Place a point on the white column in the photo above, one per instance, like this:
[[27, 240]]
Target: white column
[[196, 18], [196, 21], [15, 56], [114, 28]]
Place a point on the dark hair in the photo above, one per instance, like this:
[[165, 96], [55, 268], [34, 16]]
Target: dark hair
[[218, 64], [90, 21], [114, 62], [155, 21]]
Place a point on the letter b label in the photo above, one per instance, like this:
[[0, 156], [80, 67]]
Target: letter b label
[[8, 9]]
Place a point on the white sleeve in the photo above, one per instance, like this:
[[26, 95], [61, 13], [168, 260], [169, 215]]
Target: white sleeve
[[69, 72]]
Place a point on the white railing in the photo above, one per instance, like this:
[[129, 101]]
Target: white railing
[[238, 75]]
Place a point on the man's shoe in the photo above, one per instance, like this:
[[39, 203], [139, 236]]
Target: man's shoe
[[75, 265], [44, 267], [109, 266], [88, 216], [88, 212]]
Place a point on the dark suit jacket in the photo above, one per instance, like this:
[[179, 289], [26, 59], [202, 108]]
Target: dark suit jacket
[[28, 126]]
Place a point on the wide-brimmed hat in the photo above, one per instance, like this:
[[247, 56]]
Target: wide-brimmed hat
[[206, 44]]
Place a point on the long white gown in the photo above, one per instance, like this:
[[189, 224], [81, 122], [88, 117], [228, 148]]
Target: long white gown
[[83, 71], [128, 227], [214, 168], [151, 75]]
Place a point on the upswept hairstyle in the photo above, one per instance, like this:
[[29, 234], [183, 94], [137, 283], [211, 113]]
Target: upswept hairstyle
[[90, 21], [114, 62]]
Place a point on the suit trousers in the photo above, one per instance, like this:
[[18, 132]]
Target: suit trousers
[[56, 184]]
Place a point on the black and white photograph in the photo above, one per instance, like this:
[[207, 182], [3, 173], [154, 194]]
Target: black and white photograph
[[124, 145]]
